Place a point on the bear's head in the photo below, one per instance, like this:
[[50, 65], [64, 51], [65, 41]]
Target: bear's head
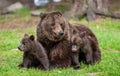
[[53, 25], [77, 41], [26, 43]]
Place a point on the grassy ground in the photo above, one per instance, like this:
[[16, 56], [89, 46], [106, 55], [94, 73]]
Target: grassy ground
[[12, 29]]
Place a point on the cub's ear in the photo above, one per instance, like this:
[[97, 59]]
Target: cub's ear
[[42, 15], [26, 35], [82, 34], [32, 37]]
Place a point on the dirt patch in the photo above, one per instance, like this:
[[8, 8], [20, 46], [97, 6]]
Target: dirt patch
[[1, 59], [114, 6], [18, 22]]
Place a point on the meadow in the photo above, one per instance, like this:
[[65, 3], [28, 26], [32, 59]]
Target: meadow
[[13, 27]]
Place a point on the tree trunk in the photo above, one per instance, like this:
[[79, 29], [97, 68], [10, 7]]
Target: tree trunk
[[78, 9], [90, 8]]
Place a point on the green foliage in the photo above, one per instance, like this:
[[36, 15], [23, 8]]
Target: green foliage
[[62, 8], [42, 10], [23, 11], [1, 16]]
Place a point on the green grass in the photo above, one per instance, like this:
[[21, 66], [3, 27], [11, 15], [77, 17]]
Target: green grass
[[107, 32]]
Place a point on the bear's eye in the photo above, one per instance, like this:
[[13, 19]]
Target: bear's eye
[[53, 24], [23, 43], [61, 24]]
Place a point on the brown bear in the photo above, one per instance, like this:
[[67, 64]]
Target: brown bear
[[34, 53], [53, 32], [92, 39], [80, 44]]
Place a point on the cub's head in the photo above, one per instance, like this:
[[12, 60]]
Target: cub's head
[[77, 40], [54, 25], [26, 43]]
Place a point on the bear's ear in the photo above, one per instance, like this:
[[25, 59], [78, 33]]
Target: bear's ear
[[42, 15], [26, 35], [58, 13], [82, 34], [32, 37], [74, 31]]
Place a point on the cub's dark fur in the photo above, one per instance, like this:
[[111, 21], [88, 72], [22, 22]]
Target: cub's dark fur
[[80, 44], [34, 53]]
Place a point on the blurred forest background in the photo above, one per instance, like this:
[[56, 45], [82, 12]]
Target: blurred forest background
[[71, 8]]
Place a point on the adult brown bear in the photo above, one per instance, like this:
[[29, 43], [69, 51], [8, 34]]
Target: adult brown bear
[[53, 32]]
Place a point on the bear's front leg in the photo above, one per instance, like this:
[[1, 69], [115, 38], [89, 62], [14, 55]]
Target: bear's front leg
[[89, 55], [75, 60], [26, 61], [45, 63]]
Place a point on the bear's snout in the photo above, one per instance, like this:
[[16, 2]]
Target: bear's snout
[[19, 47], [61, 33]]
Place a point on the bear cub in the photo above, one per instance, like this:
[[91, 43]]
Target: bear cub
[[34, 53], [80, 45]]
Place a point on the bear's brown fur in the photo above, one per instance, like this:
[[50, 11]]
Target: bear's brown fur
[[34, 53], [93, 40], [80, 44], [53, 32]]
